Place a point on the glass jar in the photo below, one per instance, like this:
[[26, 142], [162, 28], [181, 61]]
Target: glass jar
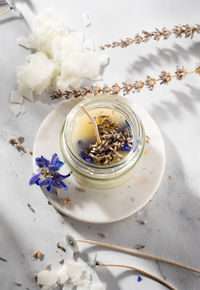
[[99, 176]]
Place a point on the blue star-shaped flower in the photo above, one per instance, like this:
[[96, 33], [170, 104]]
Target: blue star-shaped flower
[[48, 173]]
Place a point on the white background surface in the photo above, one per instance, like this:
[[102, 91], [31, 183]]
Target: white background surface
[[173, 216]]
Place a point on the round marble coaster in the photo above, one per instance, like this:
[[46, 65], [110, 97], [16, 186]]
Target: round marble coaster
[[110, 205]]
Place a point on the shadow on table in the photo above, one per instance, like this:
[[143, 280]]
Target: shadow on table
[[16, 269], [172, 230], [176, 55], [165, 110]]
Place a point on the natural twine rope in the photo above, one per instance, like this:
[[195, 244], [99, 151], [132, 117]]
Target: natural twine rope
[[141, 254], [147, 274]]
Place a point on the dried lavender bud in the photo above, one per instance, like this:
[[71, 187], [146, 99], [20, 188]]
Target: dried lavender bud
[[57, 94], [138, 85], [150, 83], [180, 73], [68, 94], [129, 41], [106, 89], [96, 90], [38, 255], [189, 31], [178, 31], [114, 44], [115, 89], [123, 43], [59, 246], [165, 77], [147, 36], [157, 34], [127, 88], [138, 38], [166, 33]]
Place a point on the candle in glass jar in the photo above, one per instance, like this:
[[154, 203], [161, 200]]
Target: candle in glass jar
[[112, 160]]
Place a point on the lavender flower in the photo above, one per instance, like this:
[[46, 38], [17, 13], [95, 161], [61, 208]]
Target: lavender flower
[[48, 173], [138, 38], [166, 33], [180, 73], [150, 83], [157, 34]]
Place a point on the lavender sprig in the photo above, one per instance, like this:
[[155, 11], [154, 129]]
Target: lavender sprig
[[126, 88], [178, 31]]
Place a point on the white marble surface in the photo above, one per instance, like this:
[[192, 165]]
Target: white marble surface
[[173, 217]]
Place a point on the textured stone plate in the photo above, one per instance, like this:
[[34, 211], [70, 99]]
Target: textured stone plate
[[110, 205]]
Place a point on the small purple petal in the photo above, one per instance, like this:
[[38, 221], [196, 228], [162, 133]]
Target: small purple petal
[[54, 159], [126, 148], [50, 187], [42, 162], [139, 279], [34, 178], [63, 185], [58, 164]]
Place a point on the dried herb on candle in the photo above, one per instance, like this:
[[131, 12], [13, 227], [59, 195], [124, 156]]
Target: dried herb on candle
[[127, 88], [178, 31], [114, 139]]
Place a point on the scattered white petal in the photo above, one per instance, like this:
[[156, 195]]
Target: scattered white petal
[[16, 98], [62, 274], [47, 278], [97, 286], [104, 59], [85, 19], [16, 110], [89, 44], [23, 41]]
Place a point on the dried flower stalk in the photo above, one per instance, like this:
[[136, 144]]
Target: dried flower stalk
[[178, 31], [147, 274], [126, 88], [138, 253]]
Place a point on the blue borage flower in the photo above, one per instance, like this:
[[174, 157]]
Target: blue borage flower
[[85, 156], [126, 147], [48, 173], [139, 279]]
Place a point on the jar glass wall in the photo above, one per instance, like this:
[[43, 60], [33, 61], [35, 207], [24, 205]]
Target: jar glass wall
[[96, 175]]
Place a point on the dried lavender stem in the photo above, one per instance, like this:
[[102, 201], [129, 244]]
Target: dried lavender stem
[[126, 88], [137, 253], [147, 274], [5, 12], [96, 131], [178, 31]]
